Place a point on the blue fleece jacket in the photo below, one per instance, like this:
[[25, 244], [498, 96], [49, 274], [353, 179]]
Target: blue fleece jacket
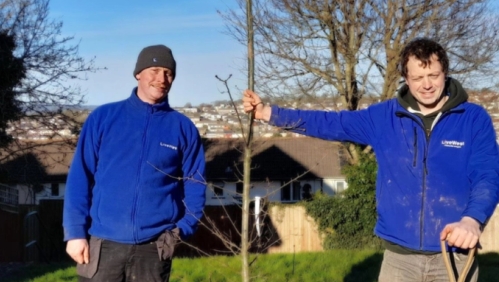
[[138, 170], [423, 182]]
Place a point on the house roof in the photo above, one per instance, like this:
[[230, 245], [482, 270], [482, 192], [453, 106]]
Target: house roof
[[35, 162], [274, 158]]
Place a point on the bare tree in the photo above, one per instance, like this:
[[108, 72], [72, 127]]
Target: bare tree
[[308, 48], [467, 29], [52, 65], [351, 48], [245, 240], [225, 226]]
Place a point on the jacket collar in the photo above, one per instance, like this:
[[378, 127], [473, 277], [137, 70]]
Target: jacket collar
[[453, 89], [400, 109], [163, 106]]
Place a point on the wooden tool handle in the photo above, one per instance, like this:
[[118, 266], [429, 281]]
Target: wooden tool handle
[[448, 266]]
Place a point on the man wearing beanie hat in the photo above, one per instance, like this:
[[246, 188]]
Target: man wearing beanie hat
[[136, 184]]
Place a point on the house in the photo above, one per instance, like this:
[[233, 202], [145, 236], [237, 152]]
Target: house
[[32, 171], [283, 169]]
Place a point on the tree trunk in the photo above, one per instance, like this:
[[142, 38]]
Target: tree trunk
[[247, 152]]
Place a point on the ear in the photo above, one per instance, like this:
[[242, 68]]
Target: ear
[[137, 76]]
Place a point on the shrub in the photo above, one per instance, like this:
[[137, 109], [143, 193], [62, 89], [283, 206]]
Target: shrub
[[348, 218]]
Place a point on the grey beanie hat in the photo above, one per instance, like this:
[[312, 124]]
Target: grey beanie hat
[[155, 56]]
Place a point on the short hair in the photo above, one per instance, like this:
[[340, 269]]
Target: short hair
[[423, 49]]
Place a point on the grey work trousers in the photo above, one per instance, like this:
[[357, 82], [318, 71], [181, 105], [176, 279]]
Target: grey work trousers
[[422, 268]]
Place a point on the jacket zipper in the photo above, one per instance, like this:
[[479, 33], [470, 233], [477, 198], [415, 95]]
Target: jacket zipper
[[425, 166], [415, 147], [425, 170], [139, 168], [423, 198], [425, 173]]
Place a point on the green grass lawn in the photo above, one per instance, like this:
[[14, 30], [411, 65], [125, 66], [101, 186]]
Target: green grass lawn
[[338, 265]]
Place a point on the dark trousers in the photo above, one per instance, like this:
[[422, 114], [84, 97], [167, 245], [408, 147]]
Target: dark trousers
[[122, 263]]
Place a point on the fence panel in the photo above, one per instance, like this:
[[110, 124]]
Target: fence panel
[[10, 239], [51, 232], [490, 237], [287, 229], [284, 230], [12, 234], [297, 231]]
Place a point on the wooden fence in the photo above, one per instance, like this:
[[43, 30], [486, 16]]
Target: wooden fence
[[32, 233], [490, 236], [297, 231], [12, 233], [287, 229], [10, 241]]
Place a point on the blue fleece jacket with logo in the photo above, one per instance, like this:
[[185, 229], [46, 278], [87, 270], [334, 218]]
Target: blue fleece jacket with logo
[[138, 170], [423, 182]]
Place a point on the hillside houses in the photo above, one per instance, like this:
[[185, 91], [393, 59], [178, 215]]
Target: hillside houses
[[40, 129], [221, 121], [218, 125], [207, 119]]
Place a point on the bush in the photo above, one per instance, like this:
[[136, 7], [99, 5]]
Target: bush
[[348, 218]]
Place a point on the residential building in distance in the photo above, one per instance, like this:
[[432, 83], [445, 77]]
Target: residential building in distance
[[285, 170], [222, 120]]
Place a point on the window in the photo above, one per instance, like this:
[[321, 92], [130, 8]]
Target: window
[[306, 192], [239, 188], [219, 191], [54, 189], [296, 191], [217, 188], [285, 193], [239, 192], [9, 195], [291, 191]]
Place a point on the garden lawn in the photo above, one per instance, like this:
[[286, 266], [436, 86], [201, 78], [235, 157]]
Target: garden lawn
[[330, 266]]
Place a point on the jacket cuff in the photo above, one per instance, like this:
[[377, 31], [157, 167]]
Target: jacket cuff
[[185, 230], [75, 232]]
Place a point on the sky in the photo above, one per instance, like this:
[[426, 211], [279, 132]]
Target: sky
[[115, 31]]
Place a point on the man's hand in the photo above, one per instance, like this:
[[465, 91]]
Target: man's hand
[[253, 103], [78, 250], [463, 234]]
